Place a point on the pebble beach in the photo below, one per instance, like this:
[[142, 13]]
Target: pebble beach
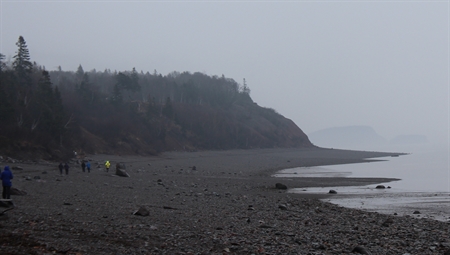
[[212, 202]]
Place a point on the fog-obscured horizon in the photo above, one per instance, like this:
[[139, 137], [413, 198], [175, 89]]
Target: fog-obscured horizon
[[383, 65]]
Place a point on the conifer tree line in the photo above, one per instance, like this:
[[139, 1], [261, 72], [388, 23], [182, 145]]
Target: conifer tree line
[[56, 112]]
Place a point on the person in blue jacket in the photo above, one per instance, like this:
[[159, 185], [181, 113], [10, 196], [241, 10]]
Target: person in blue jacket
[[6, 177], [88, 165]]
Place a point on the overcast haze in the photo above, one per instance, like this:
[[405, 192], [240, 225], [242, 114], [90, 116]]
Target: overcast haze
[[322, 64]]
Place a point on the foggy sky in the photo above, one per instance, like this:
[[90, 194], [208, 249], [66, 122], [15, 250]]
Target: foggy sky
[[322, 64]]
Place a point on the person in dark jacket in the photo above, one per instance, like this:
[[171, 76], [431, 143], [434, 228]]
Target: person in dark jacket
[[6, 177], [88, 165], [83, 166], [66, 166], [61, 167]]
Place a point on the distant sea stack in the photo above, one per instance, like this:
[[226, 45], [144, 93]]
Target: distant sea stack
[[351, 137]]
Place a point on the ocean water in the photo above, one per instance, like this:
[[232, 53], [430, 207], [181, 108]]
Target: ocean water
[[424, 184]]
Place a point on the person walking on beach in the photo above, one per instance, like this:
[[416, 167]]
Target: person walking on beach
[[66, 166], [88, 166], [83, 166], [107, 165], [6, 177], [61, 167]]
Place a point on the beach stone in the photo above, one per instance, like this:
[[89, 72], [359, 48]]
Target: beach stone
[[282, 207], [416, 212], [17, 192], [332, 191], [17, 168], [142, 211], [387, 222], [380, 187], [360, 250], [121, 170], [280, 186]]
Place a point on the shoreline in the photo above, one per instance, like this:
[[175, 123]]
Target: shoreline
[[228, 204]]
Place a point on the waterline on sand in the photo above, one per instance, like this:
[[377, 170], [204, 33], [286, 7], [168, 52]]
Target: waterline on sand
[[421, 192]]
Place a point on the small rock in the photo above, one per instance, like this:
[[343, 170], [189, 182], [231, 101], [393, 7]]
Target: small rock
[[380, 187], [142, 212], [360, 250], [416, 212], [282, 207], [18, 192], [332, 191], [280, 186]]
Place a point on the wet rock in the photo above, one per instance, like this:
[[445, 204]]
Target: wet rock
[[332, 191], [360, 250], [282, 207], [142, 211], [416, 212], [380, 187], [280, 186]]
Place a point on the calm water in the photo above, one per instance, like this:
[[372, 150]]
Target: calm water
[[427, 168], [424, 184]]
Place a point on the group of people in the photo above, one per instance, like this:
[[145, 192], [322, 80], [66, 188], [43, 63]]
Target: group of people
[[85, 165], [6, 177]]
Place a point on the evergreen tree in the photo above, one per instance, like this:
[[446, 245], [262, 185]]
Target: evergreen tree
[[85, 89], [2, 64], [168, 110], [80, 72], [22, 64], [44, 102]]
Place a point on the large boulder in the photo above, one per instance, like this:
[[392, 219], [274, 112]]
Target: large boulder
[[121, 170]]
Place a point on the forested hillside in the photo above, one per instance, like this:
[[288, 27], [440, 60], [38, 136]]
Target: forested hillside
[[50, 114]]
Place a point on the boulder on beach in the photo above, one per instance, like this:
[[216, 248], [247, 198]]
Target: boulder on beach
[[380, 187], [280, 186], [332, 191], [121, 170]]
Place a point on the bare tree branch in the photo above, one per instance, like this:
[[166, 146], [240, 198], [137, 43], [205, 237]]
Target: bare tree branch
[[69, 121]]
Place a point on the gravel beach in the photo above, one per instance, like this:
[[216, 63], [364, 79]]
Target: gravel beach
[[213, 202]]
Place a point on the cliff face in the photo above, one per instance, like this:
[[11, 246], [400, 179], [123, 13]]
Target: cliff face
[[241, 126], [131, 113]]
